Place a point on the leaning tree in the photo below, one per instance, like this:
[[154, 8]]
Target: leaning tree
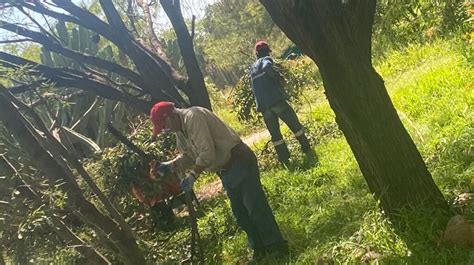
[[337, 36]]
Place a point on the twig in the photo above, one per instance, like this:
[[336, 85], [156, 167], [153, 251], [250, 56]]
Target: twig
[[50, 33], [15, 41]]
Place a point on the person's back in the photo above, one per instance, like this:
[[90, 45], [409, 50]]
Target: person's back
[[202, 128], [266, 87]]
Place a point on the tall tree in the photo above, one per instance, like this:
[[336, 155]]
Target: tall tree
[[337, 36]]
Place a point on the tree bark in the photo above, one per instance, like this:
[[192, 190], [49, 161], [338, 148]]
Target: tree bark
[[48, 162], [198, 90], [337, 37], [154, 74], [158, 50]]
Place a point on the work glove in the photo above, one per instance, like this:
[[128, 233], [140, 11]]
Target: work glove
[[187, 183], [164, 168]]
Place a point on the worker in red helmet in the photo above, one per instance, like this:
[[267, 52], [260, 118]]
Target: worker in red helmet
[[271, 100], [205, 143]]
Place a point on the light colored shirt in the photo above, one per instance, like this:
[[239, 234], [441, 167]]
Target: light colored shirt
[[204, 140]]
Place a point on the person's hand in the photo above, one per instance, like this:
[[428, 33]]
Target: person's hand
[[187, 183], [164, 168]]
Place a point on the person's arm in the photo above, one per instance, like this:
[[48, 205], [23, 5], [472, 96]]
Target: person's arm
[[269, 68]]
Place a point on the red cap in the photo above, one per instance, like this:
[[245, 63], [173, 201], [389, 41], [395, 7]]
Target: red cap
[[260, 45], [158, 114]]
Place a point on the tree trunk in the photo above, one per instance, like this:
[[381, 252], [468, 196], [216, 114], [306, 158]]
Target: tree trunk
[[48, 162], [198, 90], [337, 37]]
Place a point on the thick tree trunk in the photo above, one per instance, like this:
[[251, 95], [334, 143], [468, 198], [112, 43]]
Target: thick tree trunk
[[198, 90], [55, 169], [337, 37]]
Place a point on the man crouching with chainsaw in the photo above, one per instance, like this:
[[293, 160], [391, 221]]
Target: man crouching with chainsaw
[[204, 142]]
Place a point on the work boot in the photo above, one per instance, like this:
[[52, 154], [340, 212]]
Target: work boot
[[304, 142], [310, 158], [287, 165], [283, 153]]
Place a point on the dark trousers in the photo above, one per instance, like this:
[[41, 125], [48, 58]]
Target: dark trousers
[[248, 201], [285, 112]]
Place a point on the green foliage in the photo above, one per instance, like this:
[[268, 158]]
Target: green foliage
[[326, 212], [229, 31], [120, 168], [116, 169], [221, 101], [442, 83], [400, 22], [301, 75]]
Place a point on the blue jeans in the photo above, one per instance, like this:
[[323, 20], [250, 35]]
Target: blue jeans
[[285, 112], [248, 201]]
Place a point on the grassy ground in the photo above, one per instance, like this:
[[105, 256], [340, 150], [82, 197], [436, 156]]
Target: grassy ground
[[327, 213]]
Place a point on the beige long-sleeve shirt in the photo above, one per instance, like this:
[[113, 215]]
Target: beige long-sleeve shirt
[[204, 140]]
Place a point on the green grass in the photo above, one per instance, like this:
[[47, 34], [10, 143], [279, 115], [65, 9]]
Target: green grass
[[327, 212]]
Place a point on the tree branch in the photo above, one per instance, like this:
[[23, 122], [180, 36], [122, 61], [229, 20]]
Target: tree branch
[[49, 33], [72, 78], [56, 47], [113, 16], [15, 41]]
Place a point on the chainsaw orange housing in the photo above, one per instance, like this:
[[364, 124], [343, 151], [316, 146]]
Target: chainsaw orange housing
[[169, 187]]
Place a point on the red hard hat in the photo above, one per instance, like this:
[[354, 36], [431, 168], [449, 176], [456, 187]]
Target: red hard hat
[[260, 45], [158, 114]]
